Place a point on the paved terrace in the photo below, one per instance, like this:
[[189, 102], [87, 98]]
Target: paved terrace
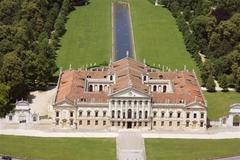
[[210, 134]]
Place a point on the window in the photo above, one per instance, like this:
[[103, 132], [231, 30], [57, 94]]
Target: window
[[146, 124], [71, 113], [146, 103], [144, 78], [135, 115], [178, 114], [188, 115], [146, 114], [170, 114], [187, 123], [96, 122], [201, 124], [154, 114], [80, 113], [57, 113], [10, 118], [164, 89], [113, 102], [178, 123], [119, 114], [111, 78], [88, 122], [100, 88], [57, 121], [118, 123], [135, 124], [123, 124], [96, 113], [80, 122], [140, 124], [88, 113], [170, 123], [202, 115], [113, 112], [129, 113], [140, 114], [104, 123], [124, 115], [162, 123], [71, 122], [112, 123], [90, 88], [154, 123], [162, 114], [195, 115], [154, 88], [104, 113]]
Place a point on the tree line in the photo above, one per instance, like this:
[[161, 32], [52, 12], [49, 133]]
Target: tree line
[[211, 27], [29, 36]]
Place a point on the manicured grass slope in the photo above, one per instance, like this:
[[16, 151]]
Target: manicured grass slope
[[88, 37], [176, 149], [219, 102], [157, 38], [58, 148]]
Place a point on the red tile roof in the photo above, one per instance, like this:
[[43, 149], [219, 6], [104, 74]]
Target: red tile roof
[[128, 74]]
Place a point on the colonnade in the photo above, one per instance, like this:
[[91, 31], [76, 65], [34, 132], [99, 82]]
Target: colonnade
[[136, 106]]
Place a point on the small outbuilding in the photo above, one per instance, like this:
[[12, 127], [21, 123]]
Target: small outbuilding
[[22, 113], [233, 119]]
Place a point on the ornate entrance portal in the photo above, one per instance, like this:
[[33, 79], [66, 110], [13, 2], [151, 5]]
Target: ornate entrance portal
[[129, 125]]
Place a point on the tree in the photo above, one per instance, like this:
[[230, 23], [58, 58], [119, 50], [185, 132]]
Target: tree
[[12, 74], [223, 83], [210, 84], [4, 99]]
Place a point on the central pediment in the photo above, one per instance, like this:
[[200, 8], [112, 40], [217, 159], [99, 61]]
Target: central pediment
[[129, 93]]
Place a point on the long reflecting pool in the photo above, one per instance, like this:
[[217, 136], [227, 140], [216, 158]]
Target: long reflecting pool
[[122, 33]]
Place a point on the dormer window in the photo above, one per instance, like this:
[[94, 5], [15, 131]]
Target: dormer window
[[164, 89], [144, 78]]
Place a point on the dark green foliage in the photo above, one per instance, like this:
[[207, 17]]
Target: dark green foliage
[[210, 84], [27, 50], [213, 30], [223, 82]]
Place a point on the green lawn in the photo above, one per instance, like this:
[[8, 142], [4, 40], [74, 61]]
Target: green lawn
[[183, 149], [157, 38], [58, 148], [219, 102], [89, 35]]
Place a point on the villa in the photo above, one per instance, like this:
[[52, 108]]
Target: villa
[[128, 94]]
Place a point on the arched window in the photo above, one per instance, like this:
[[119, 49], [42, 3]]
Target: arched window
[[100, 88], [113, 113], [154, 88], [164, 89], [144, 78], [140, 114], [146, 115], [111, 78], [119, 113], [90, 88], [129, 113]]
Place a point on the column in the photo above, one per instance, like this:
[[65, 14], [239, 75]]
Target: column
[[149, 108], [115, 108], [121, 104]]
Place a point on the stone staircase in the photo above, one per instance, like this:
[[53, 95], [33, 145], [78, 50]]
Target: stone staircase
[[130, 146]]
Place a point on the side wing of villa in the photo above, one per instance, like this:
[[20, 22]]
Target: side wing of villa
[[129, 94]]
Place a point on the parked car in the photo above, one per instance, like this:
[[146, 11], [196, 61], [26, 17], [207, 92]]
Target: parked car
[[6, 158]]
